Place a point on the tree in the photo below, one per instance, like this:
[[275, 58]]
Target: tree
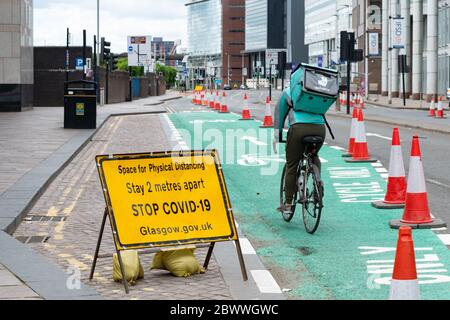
[[170, 73], [135, 71]]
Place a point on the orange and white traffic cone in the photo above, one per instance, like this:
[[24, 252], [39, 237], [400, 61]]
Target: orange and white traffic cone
[[361, 103], [432, 112], [246, 110], [361, 148], [396, 188], [194, 97], [224, 106], [211, 100], [351, 142], [268, 118], [417, 212], [205, 99], [404, 284], [440, 109], [217, 102]]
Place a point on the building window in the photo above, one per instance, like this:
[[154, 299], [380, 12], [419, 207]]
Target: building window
[[236, 30], [236, 43]]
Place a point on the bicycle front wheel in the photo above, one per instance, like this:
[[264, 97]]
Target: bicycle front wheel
[[312, 203]]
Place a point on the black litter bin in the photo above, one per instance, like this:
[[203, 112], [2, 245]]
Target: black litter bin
[[80, 104]]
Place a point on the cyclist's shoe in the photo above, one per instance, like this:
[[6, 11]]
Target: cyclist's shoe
[[285, 208]]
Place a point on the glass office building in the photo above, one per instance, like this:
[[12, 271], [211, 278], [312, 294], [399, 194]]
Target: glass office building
[[204, 27], [255, 25], [204, 39], [16, 55]]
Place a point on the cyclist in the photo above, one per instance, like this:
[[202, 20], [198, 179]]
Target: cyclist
[[301, 124]]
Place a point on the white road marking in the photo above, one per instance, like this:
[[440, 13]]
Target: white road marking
[[438, 183], [253, 140], [381, 170], [445, 238], [337, 148], [176, 136], [265, 281], [377, 164], [246, 246], [440, 229], [378, 136]]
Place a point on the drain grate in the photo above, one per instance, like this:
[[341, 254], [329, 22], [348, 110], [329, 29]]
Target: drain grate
[[36, 218], [33, 239]]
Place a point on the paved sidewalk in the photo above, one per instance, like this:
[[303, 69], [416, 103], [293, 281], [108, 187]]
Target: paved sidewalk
[[35, 147], [70, 214], [12, 288], [397, 103]]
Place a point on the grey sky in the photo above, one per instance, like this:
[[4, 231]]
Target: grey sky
[[166, 18]]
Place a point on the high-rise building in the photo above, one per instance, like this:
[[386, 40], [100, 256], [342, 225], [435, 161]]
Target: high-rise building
[[426, 39], [16, 55], [273, 26], [163, 50], [216, 36]]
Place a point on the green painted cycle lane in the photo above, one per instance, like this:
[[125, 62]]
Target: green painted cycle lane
[[352, 254]]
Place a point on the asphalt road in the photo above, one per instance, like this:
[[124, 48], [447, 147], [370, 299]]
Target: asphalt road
[[435, 150]]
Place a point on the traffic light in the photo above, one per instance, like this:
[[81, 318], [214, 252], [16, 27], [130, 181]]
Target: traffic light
[[357, 55], [282, 57], [114, 61], [105, 51], [347, 45]]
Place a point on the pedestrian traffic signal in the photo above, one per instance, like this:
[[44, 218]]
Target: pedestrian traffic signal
[[105, 51]]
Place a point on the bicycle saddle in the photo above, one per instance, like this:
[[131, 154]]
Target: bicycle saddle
[[313, 140]]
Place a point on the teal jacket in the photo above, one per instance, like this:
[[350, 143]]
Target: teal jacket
[[283, 111]]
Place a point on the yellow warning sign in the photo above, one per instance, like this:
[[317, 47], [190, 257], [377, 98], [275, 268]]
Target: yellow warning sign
[[163, 199], [199, 88]]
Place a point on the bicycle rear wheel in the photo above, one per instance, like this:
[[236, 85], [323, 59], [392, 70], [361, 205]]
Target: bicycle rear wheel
[[286, 216], [312, 202]]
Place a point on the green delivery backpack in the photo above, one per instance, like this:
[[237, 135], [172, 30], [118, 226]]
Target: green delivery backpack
[[314, 89]]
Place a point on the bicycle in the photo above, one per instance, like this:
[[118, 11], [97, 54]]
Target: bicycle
[[309, 187]]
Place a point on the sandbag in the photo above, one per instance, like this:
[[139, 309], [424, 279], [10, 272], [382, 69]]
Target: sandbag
[[131, 264], [179, 262]]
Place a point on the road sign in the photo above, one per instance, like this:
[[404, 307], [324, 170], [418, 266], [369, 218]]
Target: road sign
[[166, 199], [272, 58], [79, 63], [140, 51], [160, 200]]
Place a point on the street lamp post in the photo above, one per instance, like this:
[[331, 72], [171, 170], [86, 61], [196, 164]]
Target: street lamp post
[[98, 32]]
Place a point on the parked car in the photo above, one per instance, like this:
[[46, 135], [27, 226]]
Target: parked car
[[243, 87], [227, 87]]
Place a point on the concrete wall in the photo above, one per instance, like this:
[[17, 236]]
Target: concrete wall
[[16, 55]]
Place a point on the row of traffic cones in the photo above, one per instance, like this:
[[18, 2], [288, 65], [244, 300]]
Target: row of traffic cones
[[358, 149], [439, 111], [356, 100], [218, 103], [411, 193]]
